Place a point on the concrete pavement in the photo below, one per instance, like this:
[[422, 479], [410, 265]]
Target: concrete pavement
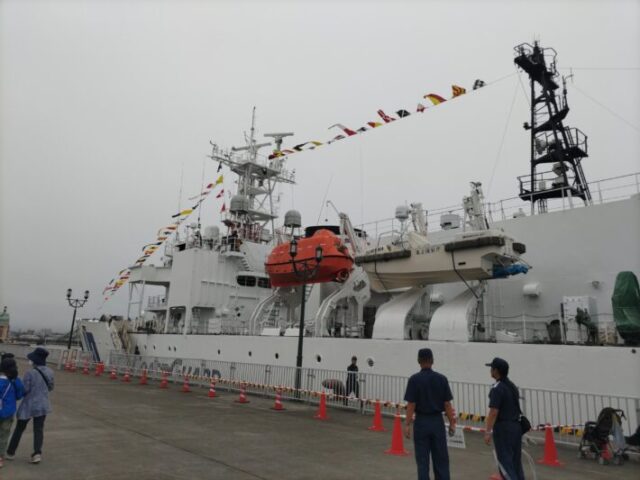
[[103, 429]]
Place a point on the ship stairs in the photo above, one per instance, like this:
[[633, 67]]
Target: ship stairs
[[556, 150]]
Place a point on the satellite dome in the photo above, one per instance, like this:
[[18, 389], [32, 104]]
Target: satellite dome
[[293, 219], [239, 204]]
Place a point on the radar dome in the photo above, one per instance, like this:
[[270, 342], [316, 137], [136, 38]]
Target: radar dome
[[239, 204], [293, 219], [402, 212]]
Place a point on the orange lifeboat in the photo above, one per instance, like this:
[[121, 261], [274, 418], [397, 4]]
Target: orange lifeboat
[[335, 266]]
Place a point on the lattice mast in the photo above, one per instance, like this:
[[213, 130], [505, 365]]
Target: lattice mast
[[252, 206], [556, 150]]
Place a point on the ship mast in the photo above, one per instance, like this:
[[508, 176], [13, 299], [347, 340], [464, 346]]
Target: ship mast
[[252, 206], [556, 150]]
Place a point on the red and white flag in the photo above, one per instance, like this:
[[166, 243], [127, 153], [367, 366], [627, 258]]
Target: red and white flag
[[346, 130], [385, 117], [220, 194], [224, 208]]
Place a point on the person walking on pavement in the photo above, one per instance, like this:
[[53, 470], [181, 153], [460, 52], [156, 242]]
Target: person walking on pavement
[[503, 421], [38, 382], [428, 395], [11, 390]]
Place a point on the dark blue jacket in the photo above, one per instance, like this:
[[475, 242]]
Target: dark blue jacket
[[12, 391]]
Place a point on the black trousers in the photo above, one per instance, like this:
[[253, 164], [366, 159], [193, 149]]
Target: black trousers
[[430, 440], [507, 438], [38, 435]]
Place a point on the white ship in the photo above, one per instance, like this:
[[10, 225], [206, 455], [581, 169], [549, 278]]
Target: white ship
[[218, 303]]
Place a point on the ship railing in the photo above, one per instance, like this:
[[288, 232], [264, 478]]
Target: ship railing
[[540, 328], [602, 191], [568, 411]]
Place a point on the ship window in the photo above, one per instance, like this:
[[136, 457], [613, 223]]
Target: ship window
[[218, 351], [246, 281], [370, 362], [264, 283], [318, 358], [249, 352], [277, 356]]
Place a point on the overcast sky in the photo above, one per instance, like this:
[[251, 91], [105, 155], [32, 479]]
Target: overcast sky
[[103, 104]]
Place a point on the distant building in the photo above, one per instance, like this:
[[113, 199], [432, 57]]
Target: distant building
[[4, 325]]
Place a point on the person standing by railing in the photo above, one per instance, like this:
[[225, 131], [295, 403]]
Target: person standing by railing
[[38, 382], [352, 378], [428, 395], [503, 421]]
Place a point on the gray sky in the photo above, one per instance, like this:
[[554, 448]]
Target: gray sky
[[103, 103]]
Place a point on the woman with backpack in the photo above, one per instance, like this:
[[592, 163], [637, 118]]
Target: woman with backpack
[[11, 390], [38, 382]]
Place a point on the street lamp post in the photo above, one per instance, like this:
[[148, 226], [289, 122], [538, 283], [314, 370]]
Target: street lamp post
[[75, 303], [305, 270]]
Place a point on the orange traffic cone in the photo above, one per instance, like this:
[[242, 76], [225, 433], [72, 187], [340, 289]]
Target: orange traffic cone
[[550, 452], [127, 376], [321, 414], [72, 368], [85, 368], [185, 385], [243, 394], [143, 378], [113, 375], [164, 382], [99, 369], [278, 403], [377, 420], [212, 388], [397, 444]]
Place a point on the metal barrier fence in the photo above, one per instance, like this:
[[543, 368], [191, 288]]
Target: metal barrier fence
[[471, 399]]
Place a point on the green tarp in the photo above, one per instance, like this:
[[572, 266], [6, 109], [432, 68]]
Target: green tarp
[[626, 306]]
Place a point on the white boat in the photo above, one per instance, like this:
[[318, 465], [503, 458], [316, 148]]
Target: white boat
[[217, 303]]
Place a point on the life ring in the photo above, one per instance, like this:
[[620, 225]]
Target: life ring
[[342, 276]]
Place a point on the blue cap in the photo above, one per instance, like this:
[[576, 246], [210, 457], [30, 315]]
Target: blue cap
[[499, 364]]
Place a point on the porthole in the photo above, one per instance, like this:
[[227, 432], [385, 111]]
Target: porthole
[[370, 361], [277, 356], [318, 358], [169, 348], [145, 347], [154, 347], [218, 351], [249, 352], [174, 349]]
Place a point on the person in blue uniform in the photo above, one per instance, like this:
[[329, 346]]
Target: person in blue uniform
[[503, 421], [428, 395]]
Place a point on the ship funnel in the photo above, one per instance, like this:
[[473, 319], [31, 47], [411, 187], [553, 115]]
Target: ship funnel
[[292, 219]]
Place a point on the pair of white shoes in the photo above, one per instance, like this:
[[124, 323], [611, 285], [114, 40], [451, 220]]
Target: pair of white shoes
[[37, 458]]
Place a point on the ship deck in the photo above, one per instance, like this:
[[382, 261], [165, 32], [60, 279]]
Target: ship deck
[[105, 429]]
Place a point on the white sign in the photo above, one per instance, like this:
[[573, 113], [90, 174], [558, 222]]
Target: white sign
[[457, 439]]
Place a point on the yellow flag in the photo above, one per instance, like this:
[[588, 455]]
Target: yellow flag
[[187, 211], [219, 180]]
